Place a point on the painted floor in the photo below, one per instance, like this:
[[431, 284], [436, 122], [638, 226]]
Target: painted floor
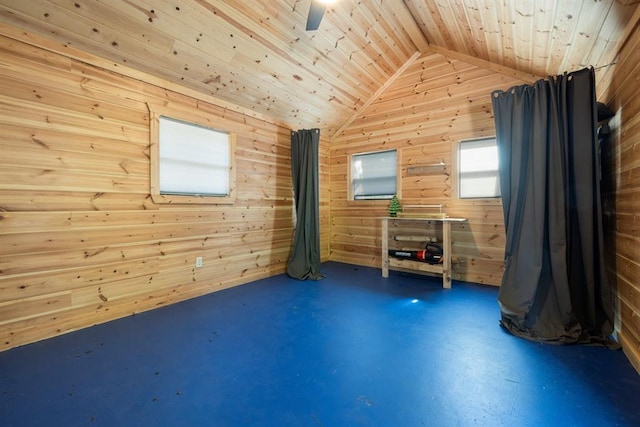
[[351, 350]]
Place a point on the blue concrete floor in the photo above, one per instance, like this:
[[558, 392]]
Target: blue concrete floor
[[351, 350]]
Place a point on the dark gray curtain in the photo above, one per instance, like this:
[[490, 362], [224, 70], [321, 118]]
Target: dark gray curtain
[[554, 286], [305, 256]]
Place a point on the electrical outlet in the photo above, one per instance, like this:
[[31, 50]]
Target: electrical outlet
[[198, 262]]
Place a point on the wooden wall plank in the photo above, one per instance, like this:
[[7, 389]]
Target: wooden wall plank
[[437, 102], [621, 198], [81, 242], [29, 284]]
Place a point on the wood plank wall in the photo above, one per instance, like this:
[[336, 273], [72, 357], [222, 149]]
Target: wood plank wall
[[81, 241], [621, 171], [437, 102]]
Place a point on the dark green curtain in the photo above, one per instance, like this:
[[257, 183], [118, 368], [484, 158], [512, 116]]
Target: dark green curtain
[[554, 286], [305, 257]]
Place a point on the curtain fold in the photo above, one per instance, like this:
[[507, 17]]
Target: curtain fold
[[554, 286], [305, 257]]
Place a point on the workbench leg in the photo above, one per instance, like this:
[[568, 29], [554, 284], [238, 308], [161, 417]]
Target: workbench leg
[[385, 247], [446, 255]]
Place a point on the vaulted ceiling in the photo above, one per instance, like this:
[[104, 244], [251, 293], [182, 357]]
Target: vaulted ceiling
[[256, 53]]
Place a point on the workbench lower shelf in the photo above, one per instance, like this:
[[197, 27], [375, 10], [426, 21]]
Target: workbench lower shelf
[[408, 265]]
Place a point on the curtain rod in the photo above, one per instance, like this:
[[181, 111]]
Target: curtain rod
[[604, 66]]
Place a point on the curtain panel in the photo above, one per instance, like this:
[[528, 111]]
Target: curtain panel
[[305, 257], [554, 286]]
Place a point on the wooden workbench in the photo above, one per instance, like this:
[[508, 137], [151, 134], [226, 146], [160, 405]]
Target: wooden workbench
[[443, 269]]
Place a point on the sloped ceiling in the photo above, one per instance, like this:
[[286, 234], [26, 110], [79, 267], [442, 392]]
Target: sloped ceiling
[[256, 53]]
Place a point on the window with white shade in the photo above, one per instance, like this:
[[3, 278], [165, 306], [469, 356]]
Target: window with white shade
[[374, 175], [478, 169], [193, 160], [190, 163]]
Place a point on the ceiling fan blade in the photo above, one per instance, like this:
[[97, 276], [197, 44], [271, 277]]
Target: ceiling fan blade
[[316, 11]]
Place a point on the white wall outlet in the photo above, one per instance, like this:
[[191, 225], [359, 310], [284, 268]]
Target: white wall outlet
[[198, 261]]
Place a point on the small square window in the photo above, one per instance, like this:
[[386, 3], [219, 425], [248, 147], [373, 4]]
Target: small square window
[[374, 175], [194, 160], [478, 169], [190, 163]]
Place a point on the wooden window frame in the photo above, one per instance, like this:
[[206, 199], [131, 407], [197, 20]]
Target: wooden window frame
[[155, 112], [455, 187], [351, 197]]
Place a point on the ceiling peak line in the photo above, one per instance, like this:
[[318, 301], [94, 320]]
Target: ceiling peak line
[[358, 112], [508, 71]]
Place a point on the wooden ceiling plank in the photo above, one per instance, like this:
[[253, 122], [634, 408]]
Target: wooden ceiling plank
[[301, 60], [404, 20], [48, 44], [463, 29], [397, 28], [183, 24], [364, 37], [119, 22], [286, 85], [427, 21], [375, 96], [565, 25], [507, 22], [488, 13], [523, 33], [433, 10], [588, 27], [447, 10], [343, 47], [256, 55], [603, 51], [542, 37], [336, 82], [102, 42], [511, 72], [477, 32], [337, 79], [252, 37], [341, 35], [106, 41]]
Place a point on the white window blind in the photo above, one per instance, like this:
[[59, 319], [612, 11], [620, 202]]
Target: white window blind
[[478, 169], [194, 160], [374, 175]]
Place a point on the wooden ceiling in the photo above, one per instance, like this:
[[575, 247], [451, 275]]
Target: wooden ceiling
[[256, 53]]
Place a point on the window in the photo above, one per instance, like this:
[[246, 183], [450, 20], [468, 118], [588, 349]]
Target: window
[[190, 163], [478, 169], [374, 175], [193, 159]]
